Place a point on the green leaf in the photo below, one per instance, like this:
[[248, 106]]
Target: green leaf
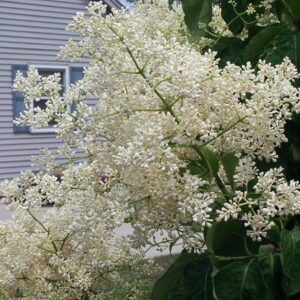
[[211, 160], [230, 239], [229, 49], [275, 231], [272, 273], [196, 11], [230, 162], [277, 9], [240, 281], [295, 150], [196, 167], [290, 259], [296, 119], [285, 43], [195, 284], [187, 278], [260, 41], [292, 9], [207, 165]]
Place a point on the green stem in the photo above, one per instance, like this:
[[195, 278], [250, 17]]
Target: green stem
[[47, 230], [240, 120], [222, 187], [64, 241]]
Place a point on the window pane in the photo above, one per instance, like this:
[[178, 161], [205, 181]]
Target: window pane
[[46, 73], [42, 104]]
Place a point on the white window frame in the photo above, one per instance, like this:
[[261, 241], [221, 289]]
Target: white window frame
[[66, 71], [128, 5]]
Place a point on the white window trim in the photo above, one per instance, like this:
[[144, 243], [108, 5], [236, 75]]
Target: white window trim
[[66, 69], [128, 5]]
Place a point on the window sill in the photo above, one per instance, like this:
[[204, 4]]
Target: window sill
[[43, 130]]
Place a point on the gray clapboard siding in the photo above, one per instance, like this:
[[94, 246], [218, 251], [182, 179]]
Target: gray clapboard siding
[[31, 33], [13, 172]]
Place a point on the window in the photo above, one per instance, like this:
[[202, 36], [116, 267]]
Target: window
[[69, 75], [45, 71]]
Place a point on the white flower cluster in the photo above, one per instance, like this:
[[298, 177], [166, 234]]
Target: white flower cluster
[[261, 10], [64, 252], [165, 112]]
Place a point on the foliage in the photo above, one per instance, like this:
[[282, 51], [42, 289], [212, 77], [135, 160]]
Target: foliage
[[260, 30], [176, 145], [237, 267]]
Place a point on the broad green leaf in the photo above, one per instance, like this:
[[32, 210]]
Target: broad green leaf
[[207, 165], [261, 40], [230, 162], [228, 42], [211, 159], [240, 281], [296, 119], [272, 273], [197, 167], [275, 231], [278, 9], [229, 49], [286, 43], [292, 8], [295, 150], [229, 239], [187, 278], [196, 11], [290, 259], [195, 284]]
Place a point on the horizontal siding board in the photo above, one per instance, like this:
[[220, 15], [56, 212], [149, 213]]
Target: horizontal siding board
[[29, 34], [28, 140], [4, 73], [6, 47], [5, 114], [58, 40], [21, 18], [26, 53], [5, 119], [29, 58], [20, 156], [6, 130], [41, 60], [5, 85], [6, 127], [45, 30], [38, 12], [10, 173], [19, 153], [51, 137], [26, 146], [16, 169], [32, 23], [39, 5], [5, 106], [35, 2], [3, 123], [12, 164]]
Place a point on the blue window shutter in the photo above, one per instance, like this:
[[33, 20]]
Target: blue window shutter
[[76, 74], [18, 99]]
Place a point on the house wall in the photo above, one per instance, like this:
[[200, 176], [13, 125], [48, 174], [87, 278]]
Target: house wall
[[31, 32]]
